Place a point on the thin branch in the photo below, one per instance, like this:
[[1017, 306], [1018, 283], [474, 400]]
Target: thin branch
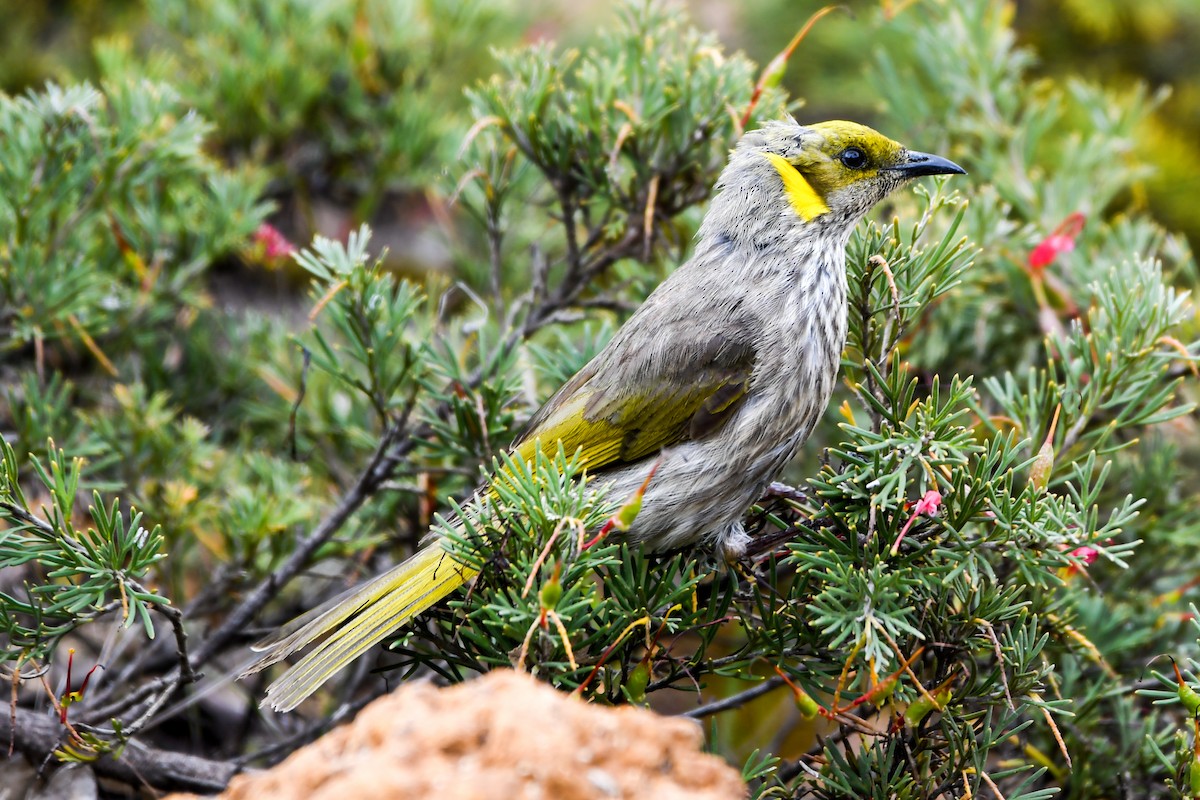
[[175, 617], [377, 471], [174, 683], [495, 238], [137, 697], [574, 255], [991, 632], [735, 701], [25, 518]]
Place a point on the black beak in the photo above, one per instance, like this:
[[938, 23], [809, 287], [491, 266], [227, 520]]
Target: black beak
[[917, 164]]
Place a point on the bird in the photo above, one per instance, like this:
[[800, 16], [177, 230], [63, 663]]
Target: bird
[[701, 397]]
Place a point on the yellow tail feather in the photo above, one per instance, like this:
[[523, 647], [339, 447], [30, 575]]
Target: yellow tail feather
[[353, 623]]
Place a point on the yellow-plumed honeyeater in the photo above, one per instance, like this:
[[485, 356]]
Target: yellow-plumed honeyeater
[[714, 383]]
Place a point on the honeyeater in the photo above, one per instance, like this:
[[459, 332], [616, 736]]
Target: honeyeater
[[714, 382]]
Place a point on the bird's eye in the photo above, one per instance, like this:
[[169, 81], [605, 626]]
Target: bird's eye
[[853, 158]]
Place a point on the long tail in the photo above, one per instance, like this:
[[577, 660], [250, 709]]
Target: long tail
[[350, 624]]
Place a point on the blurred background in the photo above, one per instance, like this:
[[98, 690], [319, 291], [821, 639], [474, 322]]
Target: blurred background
[[328, 177]]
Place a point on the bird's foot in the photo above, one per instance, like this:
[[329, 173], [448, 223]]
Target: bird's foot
[[735, 544]]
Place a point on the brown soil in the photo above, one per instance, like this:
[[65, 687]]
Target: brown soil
[[502, 736]]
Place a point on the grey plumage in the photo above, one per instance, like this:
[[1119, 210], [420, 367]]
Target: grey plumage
[[765, 289], [717, 379]]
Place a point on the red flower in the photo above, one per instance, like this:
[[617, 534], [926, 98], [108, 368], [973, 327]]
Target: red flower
[[1086, 554], [928, 505], [1061, 241], [274, 244]]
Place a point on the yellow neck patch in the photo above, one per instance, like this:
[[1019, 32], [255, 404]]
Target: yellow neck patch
[[800, 193]]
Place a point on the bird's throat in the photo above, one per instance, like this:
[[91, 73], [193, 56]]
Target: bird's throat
[[800, 194]]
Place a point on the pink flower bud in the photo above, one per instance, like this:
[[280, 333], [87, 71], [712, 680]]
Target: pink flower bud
[[1061, 241], [1086, 554], [274, 244], [929, 504]]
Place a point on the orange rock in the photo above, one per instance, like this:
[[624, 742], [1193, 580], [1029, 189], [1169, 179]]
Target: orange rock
[[504, 735]]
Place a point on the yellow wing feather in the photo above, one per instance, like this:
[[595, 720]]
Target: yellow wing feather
[[357, 621], [611, 422], [607, 420]]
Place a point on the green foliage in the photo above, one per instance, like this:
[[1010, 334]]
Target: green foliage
[[370, 315], [1037, 153], [624, 138], [992, 532], [83, 183], [640, 110], [88, 572], [1180, 689], [1109, 371], [346, 100]]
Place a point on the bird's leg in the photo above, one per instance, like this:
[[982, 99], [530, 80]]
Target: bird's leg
[[738, 549], [734, 543]]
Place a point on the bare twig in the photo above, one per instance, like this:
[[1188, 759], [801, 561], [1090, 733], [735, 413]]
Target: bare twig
[[135, 698], [886, 343], [992, 785], [735, 701], [991, 632]]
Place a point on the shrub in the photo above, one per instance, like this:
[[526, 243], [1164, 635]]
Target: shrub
[[985, 543]]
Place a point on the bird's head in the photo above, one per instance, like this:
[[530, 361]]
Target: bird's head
[[829, 171]]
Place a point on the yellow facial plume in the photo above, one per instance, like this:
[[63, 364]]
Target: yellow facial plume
[[803, 198]]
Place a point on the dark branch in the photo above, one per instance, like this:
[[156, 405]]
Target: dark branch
[[39, 735], [736, 701], [376, 472]]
